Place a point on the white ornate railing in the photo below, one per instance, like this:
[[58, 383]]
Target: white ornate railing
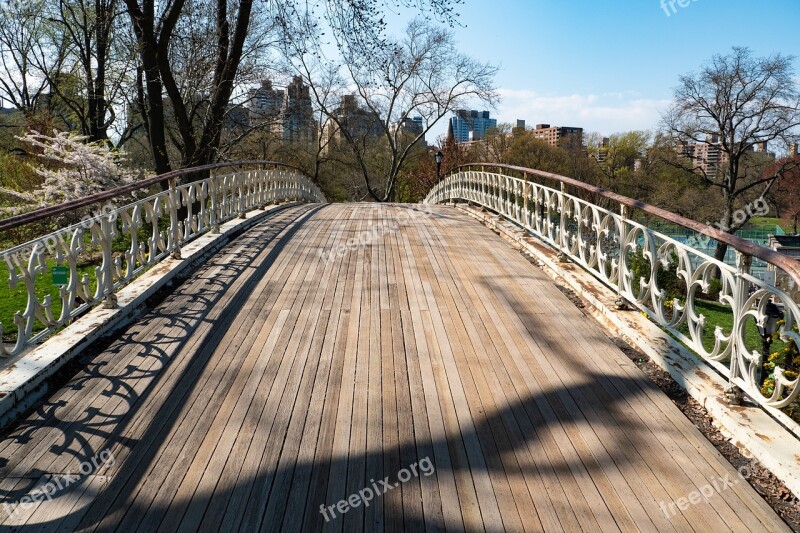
[[636, 261], [119, 243]]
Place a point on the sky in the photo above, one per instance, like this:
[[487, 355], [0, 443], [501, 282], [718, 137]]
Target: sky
[[609, 66]]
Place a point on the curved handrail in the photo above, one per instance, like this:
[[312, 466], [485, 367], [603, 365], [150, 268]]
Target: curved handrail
[[130, 239], [784, 262], [634, 260], [53, 210]]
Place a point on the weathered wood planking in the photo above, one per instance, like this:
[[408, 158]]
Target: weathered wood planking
[[331, 347]]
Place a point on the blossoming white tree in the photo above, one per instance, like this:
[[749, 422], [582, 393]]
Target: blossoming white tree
[[76, 169], [71, 169]]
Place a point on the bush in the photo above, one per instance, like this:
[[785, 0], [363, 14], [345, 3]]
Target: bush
[[667, 277], [714, 288], [16, 174]]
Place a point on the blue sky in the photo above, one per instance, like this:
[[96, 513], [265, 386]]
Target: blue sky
[[610, 65]]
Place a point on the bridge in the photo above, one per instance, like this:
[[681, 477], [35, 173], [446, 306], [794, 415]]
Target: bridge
[[304, 366]]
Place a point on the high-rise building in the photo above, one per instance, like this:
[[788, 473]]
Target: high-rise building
[[707, 156], [760, 147], [601, 152], [287, 114], [557, 135], [467, 126], [359, 123], [297, 114], [265, 104], [411, 126], [237, 118]]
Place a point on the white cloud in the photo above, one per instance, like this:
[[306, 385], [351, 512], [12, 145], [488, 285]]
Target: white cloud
[[607, 113]]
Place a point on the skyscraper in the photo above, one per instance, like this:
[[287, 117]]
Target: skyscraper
[[297, 114], [287, 114], [265, 104], [359, 123], [468, 126]]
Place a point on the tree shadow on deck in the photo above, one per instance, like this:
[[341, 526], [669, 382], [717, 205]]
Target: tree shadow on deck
[[519, 437], [71, 435]]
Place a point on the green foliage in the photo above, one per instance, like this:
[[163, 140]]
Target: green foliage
[[17, 174], [667, 277], [714, 288], [786, 355]]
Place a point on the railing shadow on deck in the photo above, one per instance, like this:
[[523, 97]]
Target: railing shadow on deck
[[593, 397], [107, 427]]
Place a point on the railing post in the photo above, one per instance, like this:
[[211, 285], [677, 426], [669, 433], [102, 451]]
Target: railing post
[[214, 193], [526, 213], [263, 187], [107, 236], [174, 223], [733, 393], [620, 302], [562, 229], [241, 181]]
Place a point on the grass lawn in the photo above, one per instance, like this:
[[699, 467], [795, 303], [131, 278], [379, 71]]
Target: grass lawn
[[13, 300], [768, 224], [720, 315], [16, 299]]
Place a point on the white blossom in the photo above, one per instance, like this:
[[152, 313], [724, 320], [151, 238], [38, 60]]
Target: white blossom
[[76, 169]]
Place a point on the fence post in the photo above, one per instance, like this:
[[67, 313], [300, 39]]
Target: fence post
[[620, 302], [213, 183], [107, 222], [263, 187], [241, 182], [562, 226], [174, 223], [733, 393]]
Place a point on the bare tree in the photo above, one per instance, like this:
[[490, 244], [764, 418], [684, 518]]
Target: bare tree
[[786, 193], [744, 102], [29, 55], [100, 58], [66, 63], [155, 26], [421, 75]]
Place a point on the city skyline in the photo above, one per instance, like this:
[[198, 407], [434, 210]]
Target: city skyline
[[615, 69]]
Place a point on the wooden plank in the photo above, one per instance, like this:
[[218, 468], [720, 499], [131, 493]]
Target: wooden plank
[[195, 404], [296, 381], [337, 484], [30, 496], [469, 330], [278, 380], [495, 329], [117, 363], [304, 425], [480, 412], [314, 455], [487, 270], [640, 446], [606, 464]]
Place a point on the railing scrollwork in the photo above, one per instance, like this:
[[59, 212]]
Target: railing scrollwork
[[658, 274], [105, 251]]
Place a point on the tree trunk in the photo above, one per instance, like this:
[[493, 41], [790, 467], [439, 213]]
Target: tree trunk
[[720, 251]]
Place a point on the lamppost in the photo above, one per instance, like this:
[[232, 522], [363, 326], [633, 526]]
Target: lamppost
[[773, 316], [438, 157]]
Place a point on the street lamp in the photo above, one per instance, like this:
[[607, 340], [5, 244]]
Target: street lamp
[[438, 157], [773, 315]]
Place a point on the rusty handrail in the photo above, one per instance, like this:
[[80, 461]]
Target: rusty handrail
[[784, 262], [50, 211]]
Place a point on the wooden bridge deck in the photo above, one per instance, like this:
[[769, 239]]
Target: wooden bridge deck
[[288, 374]]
